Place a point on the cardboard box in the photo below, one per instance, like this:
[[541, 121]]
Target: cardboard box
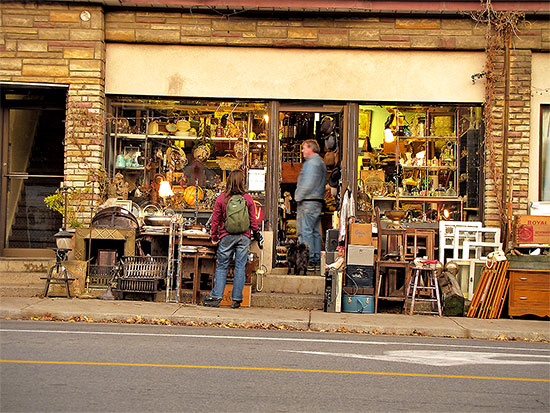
[[532, 230], [290, 172], [360, 234], [227, 300]]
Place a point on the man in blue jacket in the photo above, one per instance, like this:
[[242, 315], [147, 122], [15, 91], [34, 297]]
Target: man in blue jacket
[[309, 195]]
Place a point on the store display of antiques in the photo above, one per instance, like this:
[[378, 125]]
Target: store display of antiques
[[415, 158], [176, 155]]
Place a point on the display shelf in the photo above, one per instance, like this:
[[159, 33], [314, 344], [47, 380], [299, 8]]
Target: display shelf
[[421, 138], [142, 137], [430, 167], [130, 168], [418, 198], [184, 141]]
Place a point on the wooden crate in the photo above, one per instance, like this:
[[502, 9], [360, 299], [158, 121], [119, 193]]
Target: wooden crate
[[226, 300]]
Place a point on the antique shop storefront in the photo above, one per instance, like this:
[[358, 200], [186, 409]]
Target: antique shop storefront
[[189, 124]]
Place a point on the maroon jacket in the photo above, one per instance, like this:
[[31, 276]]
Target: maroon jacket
[[217, 230]]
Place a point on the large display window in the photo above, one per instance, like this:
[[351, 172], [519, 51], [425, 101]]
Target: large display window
[[176, 154], [421, 159]]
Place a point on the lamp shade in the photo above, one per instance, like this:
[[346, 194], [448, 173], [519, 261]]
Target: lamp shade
[[63, 239], [165, 190], [388, 135]]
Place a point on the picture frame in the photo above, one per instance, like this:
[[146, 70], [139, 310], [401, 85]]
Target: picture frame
[[442, 124], [130, 151], [365, 127], [124, 203]]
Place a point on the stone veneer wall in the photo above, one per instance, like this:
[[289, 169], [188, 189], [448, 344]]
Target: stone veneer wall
[[518, 137], [49, 43]]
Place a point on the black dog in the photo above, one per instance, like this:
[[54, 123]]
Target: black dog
[[297, 256]]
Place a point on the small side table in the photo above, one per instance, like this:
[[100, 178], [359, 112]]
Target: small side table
[[58, 274], [196, 256]]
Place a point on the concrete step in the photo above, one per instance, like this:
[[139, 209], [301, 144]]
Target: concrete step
[[8, 265], [279, 271], [22, 290], [278, 300], [294, 284], [21, 278]]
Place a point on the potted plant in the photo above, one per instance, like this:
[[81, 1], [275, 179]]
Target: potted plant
[[67, 201]]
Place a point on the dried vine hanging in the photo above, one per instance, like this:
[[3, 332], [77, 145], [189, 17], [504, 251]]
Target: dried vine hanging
[[502, 26], [84, 130]]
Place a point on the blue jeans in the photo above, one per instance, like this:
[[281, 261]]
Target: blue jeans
[[229, 245], [308, 221]]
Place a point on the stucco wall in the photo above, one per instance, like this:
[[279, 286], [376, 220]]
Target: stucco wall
[[262, 73]]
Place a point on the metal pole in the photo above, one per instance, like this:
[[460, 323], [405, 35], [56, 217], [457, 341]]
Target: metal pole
[[64, 189]]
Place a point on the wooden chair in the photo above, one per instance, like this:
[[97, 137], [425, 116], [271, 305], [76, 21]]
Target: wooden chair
[[392, 271]]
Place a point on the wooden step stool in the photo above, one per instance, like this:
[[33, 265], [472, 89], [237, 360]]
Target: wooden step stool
[[423, 280]]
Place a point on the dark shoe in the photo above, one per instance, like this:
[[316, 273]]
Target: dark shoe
[[212, 302], [236, 304]]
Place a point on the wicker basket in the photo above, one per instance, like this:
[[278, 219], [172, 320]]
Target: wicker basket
[[229, 163]]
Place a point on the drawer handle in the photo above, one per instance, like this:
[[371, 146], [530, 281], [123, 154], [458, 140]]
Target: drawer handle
[[523, 278], [523, 298]]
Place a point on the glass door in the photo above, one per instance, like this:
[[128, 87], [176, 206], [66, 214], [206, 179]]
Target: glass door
[[32, 168]]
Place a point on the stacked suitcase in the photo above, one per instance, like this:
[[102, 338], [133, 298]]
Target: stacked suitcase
[[358, 293]]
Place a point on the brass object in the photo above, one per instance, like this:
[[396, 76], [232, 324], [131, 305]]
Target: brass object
[[396, 216]]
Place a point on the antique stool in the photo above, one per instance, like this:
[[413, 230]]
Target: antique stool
[[423, 280]]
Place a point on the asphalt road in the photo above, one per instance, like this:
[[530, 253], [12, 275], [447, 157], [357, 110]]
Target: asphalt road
[[53, 366]]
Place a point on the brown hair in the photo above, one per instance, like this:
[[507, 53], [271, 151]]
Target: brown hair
[[312, 143], [235, 183]]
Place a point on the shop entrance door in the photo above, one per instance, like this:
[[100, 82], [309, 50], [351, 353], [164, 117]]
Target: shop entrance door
[[32, 131], [300, 122]]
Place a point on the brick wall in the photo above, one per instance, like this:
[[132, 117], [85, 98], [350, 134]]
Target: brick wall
[[362, 32], [49, 43], [518, 140]]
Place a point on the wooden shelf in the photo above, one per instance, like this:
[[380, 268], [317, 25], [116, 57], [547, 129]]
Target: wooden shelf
[[130, 168], [419, 198], [134, 136]]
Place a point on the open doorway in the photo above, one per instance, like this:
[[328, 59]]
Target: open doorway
[[297, 124], [32, 133]]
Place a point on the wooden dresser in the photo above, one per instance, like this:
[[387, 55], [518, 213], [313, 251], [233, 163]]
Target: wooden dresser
[[529, 291]]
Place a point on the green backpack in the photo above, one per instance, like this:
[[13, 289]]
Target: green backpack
[[237, 220]]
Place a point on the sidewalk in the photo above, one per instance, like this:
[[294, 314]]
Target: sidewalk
[[400, 324]]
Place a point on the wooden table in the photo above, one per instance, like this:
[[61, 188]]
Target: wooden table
[[196, 256]]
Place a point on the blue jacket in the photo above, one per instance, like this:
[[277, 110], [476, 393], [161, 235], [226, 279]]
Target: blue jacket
[[312, 180]]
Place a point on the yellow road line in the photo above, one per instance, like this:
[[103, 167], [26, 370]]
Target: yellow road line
[[190, 366]]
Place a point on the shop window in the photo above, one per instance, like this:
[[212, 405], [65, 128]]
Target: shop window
[[545, 154], [423, 159], [171, 153]]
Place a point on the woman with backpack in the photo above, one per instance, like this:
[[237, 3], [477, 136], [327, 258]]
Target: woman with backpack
[[233, 225]]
